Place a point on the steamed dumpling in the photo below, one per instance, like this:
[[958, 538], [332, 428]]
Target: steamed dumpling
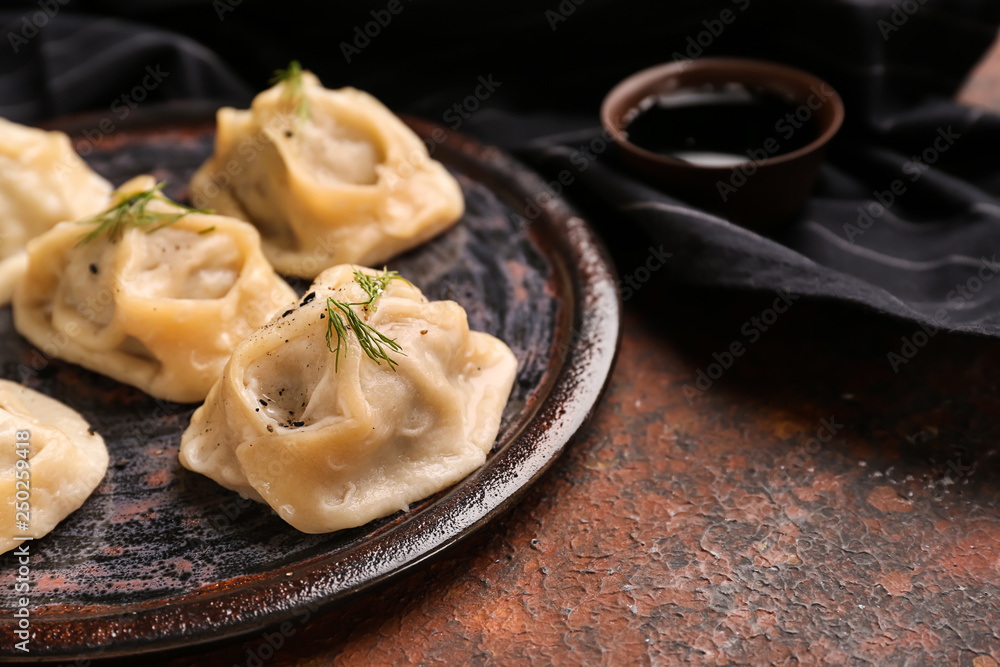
[[63, 464], [159, 307], [42, 182], [11, 271], [332, 440], [345, 181]]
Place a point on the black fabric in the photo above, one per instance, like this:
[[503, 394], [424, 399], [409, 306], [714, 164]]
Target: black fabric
[[54, 62], [930, 256]]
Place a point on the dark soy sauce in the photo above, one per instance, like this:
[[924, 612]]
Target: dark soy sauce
[[721, 125]]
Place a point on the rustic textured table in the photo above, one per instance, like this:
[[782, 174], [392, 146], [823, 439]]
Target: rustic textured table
[[810, 506]]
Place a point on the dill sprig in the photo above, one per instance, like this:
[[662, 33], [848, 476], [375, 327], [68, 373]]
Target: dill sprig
[[132, 212], [341, 317], [294, 91], [375, 285]]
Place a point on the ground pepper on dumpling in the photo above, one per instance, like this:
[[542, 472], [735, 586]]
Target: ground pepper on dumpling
[[362, 399], [148, 292]]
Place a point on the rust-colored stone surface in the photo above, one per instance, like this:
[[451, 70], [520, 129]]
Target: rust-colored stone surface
[[811, 507], [720, 530]]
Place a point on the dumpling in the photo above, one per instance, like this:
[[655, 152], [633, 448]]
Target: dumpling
[[11, 271], [42, 182], [332, 433], [63, 462], [149, 292], [341, 181]]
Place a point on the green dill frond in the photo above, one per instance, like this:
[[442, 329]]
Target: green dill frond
[[375, 285], [341, 317], [132, 212], [294, 90], [376, 345]]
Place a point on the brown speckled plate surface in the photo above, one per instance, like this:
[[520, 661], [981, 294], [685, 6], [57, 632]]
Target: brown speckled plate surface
[[160, 558]]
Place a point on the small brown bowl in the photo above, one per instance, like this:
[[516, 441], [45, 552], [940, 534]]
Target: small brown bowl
[[758, 193]]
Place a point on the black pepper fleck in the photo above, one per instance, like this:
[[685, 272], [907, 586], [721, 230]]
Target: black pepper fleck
[[308, 298], [263, 402], [93, 269]]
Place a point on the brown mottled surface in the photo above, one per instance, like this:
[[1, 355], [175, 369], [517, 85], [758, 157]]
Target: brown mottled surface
[[715, 532]]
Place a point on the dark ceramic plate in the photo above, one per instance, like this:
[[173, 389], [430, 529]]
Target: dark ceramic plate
[[160, 558]]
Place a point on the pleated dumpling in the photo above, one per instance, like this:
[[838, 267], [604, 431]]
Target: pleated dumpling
[[42, 182], [50, 462], [327, 176], [364, 398], [148, 292]]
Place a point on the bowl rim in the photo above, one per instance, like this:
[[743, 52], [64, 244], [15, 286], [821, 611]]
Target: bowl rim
[[644, 79]]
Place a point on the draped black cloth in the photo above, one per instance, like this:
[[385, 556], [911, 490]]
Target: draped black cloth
[[905, 218]]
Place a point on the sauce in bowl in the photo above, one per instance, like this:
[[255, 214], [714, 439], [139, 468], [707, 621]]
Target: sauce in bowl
[[718, 125]]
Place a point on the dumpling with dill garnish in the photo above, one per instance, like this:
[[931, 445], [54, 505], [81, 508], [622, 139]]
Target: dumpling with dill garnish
[[148, 292], [327, 176], [42, 182], [362, 399]]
